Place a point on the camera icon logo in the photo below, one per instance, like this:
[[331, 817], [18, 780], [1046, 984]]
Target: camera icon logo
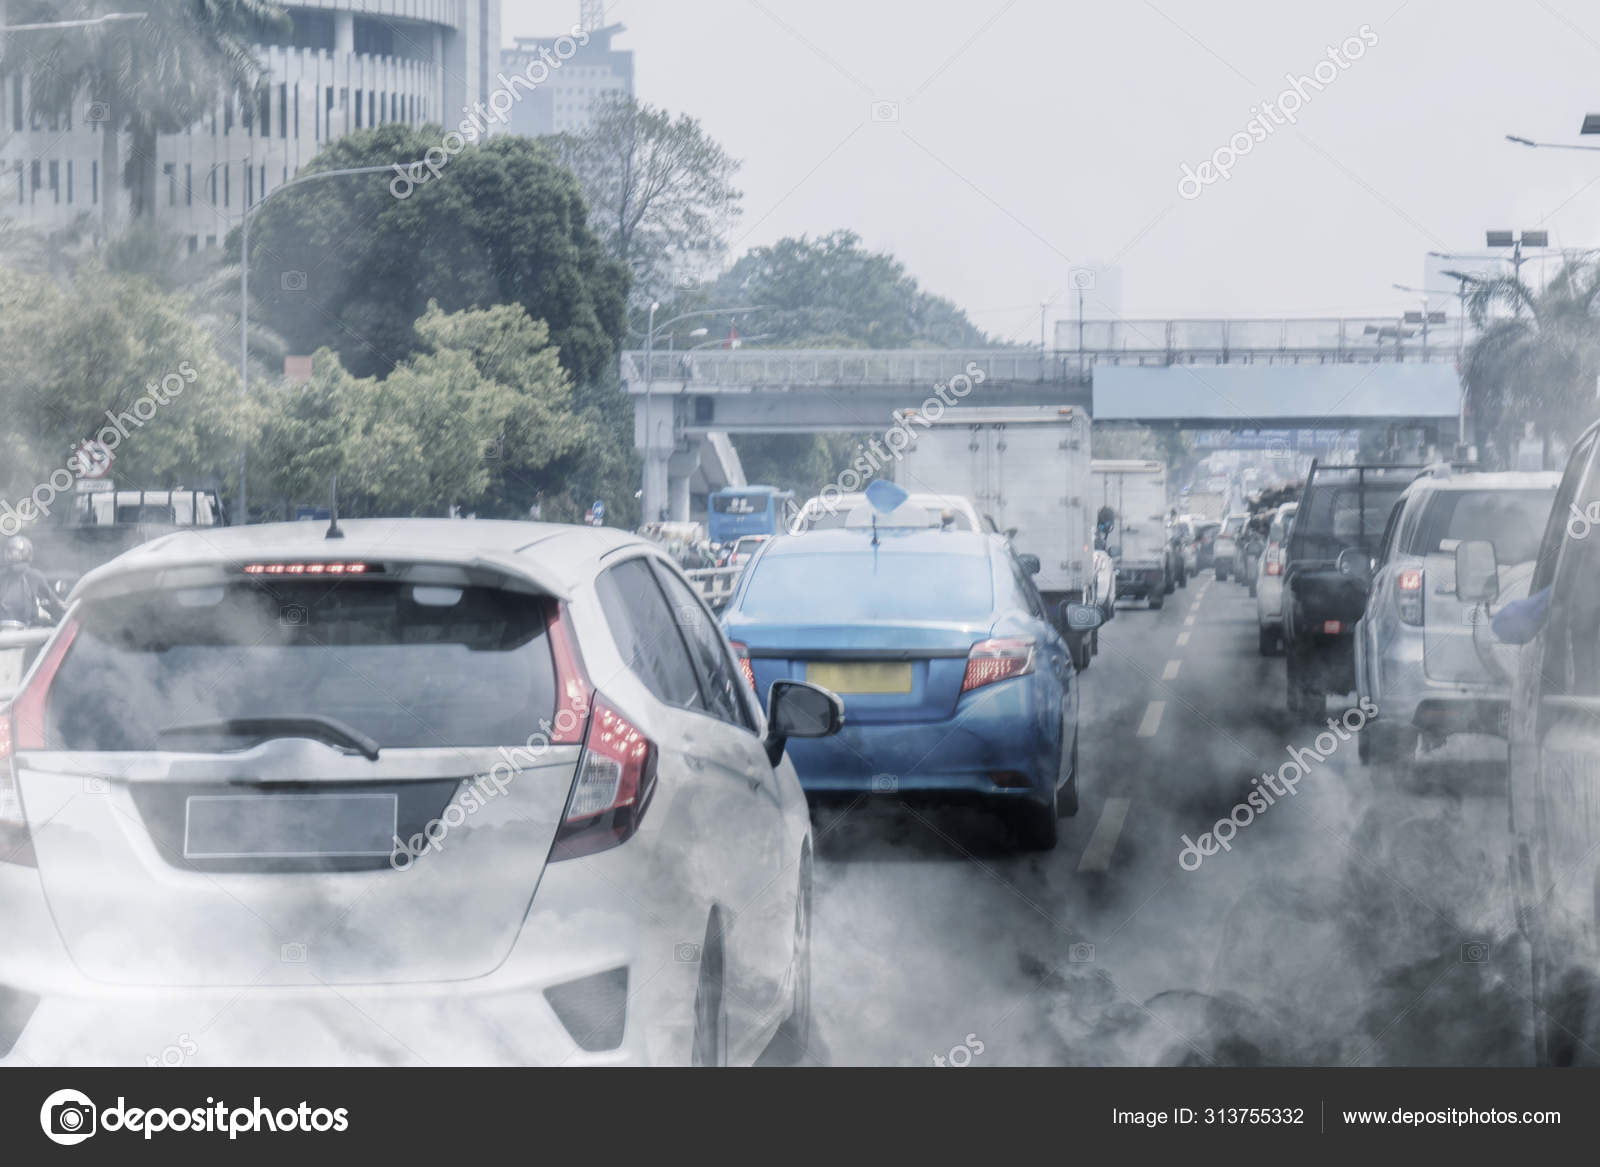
[[68, 1117], [686, 953], [294, 281], [885, 783], [1081, 953], [1474, 615], [97, 112], [494, 449], [1083, 279], [293, 616], [1474, 952], [885, 111], [97, 784], [293, 953], [1278, 450], [688, 281]]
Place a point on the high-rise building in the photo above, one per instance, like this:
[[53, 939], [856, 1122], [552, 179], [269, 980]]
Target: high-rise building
[[564, 101], [344, 65]]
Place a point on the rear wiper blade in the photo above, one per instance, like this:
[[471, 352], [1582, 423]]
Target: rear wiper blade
[[309, 725]]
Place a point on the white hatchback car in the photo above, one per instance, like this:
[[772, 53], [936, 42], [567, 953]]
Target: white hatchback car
[[435, 792]]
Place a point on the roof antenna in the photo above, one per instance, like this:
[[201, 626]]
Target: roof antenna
[[333, 510]]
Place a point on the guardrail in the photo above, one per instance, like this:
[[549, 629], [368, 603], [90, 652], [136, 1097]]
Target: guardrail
[[715, 584], [1329, 340]]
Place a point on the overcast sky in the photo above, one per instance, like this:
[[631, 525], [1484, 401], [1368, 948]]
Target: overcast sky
[[1033, 135]]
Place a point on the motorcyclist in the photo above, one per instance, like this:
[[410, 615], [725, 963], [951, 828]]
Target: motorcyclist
[[25, 594]]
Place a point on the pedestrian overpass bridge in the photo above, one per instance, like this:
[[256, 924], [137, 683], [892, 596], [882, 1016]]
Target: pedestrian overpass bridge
[[1336, 373]]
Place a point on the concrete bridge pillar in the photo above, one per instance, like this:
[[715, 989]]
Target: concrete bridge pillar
[[681, 467], [654, 438]]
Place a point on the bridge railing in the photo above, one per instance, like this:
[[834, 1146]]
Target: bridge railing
[[1331, 340], [732, 367], [716, 584]]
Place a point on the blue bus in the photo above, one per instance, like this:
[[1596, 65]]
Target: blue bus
[[746, 510]]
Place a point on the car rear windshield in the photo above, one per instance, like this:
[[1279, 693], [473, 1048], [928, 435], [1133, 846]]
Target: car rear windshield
[[1234, 525], [410, 666], [1513, 520], [1344, 514], [884, 585]]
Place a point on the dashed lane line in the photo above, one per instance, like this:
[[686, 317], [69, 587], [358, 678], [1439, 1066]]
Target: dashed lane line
[[1170, 673], [1152, 718], [1097, 855]]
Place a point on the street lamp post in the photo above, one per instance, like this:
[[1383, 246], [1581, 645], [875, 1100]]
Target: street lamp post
[[244, 289], [57, 25]]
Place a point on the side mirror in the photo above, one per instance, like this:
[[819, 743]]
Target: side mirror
[[1477, 571], [1355, 562], [1030, 563], [1082, 617], [800, 709]]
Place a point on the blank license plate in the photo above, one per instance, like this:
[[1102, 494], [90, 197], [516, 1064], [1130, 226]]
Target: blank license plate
[[862, 676], [289, 826]]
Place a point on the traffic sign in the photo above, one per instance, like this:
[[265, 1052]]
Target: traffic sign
[[92, 460]]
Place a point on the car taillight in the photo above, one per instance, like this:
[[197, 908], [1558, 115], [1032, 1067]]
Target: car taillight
[[1332, 627], [616, 777], [743, 653], [573, 691], [1408, 588], [22, 728], [997, 660], [1274, 565]]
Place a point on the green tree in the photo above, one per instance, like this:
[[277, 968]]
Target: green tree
[[660, 189], [144, 78], [83, 353], [502, 223], [483, 406], [833, 292], [1538, 363]]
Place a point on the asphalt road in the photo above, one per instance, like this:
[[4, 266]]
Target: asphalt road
[[1359, 920]]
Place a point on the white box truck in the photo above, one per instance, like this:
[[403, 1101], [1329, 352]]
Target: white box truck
[[1027, 470], [1132, 493]]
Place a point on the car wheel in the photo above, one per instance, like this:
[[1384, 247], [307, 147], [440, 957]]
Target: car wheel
[[710, 1010], [1266, 641], [1222, 575], [1170, 586], [1157, 599], [1067, 800], [1251, 589], [793, 1039], [1036, 824], [1080, 653]]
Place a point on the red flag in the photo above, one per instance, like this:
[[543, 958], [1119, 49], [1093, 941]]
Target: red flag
[[732, 340]]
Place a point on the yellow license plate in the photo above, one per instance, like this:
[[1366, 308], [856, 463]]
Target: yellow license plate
[[861, 676]]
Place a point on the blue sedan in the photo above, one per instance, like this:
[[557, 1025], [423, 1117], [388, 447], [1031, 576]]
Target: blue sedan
[[955, 677]]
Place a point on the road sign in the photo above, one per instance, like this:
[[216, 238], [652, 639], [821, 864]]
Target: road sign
[[92, 460]]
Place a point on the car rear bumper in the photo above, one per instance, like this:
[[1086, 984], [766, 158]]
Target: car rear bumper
[[580, 927], [1405, 695], [995, 745], [1138, 582], [1269, 601]]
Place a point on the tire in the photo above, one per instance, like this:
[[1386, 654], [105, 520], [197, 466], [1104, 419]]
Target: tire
[[1266, 641], [1067, 800], [1081, 653], [1222, 575], [1386, 744], [1304, 698], [1250, 588], [710, 1009], [1157, 599], [1037, 825], [1170, 586], [792, 1041]]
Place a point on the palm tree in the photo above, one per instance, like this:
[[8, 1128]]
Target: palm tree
[[1539, 364], [155, 76]]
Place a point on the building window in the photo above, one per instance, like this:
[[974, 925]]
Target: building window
[[94, 182], [211, 241], [266, 111], [69, 182], [297, 111], [55, 180], [170, 169], [21, 185], [16, 102], [283, 110], [227, 186], [188, 184], [358, 109], [33, 187], [227, 115], [194, 244]]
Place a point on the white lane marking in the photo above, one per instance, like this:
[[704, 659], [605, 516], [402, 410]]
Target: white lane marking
[[1152, 718], [1183, 639], [1188, 621], [1170, 673], [1097, 855]]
